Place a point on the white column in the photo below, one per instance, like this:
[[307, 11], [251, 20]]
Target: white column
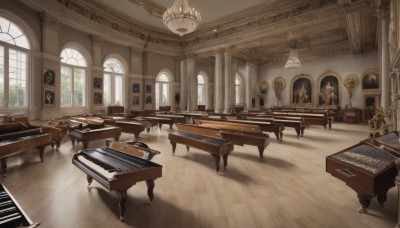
[[384, 71], [247, 88], [228, 75], [191, 82], [136, 70], [218, 82], [183, 97], [393, 104]]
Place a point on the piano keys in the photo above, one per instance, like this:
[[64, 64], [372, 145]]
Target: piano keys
[[17, 137], [118, 170], [367, 168], [11, 214]]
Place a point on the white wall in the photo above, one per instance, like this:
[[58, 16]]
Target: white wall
[[341, 65]]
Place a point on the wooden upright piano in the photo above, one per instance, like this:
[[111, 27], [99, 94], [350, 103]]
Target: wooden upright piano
[[367, 167], [117, 167], [17, 137]]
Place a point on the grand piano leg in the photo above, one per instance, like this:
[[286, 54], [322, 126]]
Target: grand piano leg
[[381, 197], [150, 186], [159, 125], [225, 158], [72, 140], [89, 180], [261, 152], [217, 158], [85, 144], [173, 147], [122, 203], [4, 166], [277, 135], [365, 200], [116, 138], [136, 135], [41, 152], [58, 142], [148, 130], [170, 125], [297, 131], [187, 148], [302, 131]]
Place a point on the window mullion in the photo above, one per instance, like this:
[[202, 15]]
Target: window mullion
[[6, 76]]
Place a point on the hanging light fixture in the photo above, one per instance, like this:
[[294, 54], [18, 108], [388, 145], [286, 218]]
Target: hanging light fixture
[[293, 61], [180, 18]]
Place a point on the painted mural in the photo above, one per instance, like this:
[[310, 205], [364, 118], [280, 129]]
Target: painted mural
[[302, 91], [329, 91]]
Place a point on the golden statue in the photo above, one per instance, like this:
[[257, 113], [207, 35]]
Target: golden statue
[[378, 125]]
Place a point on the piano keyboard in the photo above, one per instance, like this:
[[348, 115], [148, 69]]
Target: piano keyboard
[[97, 167], [10, 213]]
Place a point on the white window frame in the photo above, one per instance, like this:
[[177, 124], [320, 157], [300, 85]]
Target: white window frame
[[239, 89], [114, 73], [160, 90]]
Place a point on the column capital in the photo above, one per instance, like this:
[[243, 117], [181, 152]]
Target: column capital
[[49, 21], [135, 51], [218, 51], [97, 40]]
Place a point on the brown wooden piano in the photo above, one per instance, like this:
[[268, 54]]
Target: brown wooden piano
[[86, 133], [294, 122], [11, 214], [117, 167], [238, 134], [17, 137], [216, 147], [367, 167], [128, 126]]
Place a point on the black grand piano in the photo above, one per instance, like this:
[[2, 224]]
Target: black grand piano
[[17, 137], [118, 166], [11, 214], [367, 167]]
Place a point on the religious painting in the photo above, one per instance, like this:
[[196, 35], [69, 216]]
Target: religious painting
[[135, 100], [98, 98], [97, 83], [49, 97], [370, 80], [49, 78], [136, 88], [328, 90], [148, 88], [302, 91], [263, 87]]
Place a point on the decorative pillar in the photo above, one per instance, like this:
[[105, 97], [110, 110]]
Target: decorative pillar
[[191, 84], [96, 72], [228, 75], [248, 83], [218, 82], [183, 96], [384, 53], [50, 65], [393, 105], [136, 77]]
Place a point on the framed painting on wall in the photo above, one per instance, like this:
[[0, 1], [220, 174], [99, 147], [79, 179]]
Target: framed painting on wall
[[49, 78], [149, 100], [136, 88], [135, 100], [148, 88], [301, 90], [328, 90], [49, 97], [97, 83], [98, 98]]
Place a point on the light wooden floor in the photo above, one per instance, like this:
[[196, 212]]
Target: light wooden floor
[[290, 188]]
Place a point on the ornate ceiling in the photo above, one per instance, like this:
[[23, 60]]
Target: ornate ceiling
[[253, 30]]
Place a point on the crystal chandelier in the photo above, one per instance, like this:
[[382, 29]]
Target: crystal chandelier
[[180, 18], [293, 61]]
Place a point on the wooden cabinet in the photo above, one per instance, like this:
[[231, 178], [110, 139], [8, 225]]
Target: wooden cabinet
[[352, 115], [115, 110]]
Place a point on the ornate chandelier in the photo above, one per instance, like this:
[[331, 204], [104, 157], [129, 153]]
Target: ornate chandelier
[[293, 61], [180, 18]]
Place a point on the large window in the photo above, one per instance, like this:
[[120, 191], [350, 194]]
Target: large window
[[73, 78], [162, 90], [238, 89], [201, 90], [113, 82], [14, 56]]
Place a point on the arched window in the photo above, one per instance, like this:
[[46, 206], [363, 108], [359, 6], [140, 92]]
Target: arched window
[[73, 78], [162, 90], [238, 89], [14, 59], [113, 82], [201, 90]]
